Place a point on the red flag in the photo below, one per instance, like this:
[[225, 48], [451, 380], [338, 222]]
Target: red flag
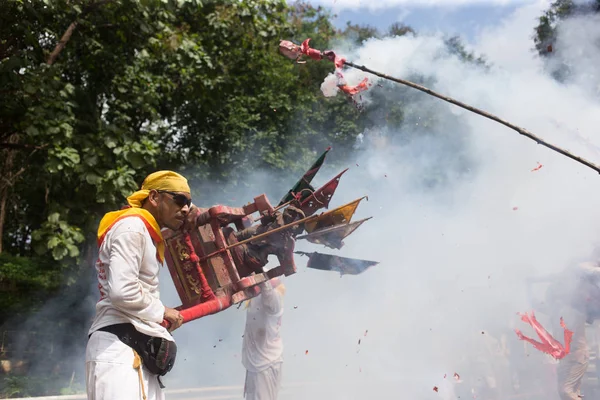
[[548, 344], [321, 197]]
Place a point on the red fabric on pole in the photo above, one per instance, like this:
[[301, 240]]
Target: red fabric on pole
[[312, 53], [352, 90]]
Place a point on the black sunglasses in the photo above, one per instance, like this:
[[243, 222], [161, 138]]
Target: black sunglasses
[[178, 198]]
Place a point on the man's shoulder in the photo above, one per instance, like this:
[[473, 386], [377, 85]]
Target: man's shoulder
[[129, 224]]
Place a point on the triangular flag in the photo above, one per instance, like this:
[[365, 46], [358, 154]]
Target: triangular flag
[[321, 197], [332, 237], [340, 215], [304, 182]]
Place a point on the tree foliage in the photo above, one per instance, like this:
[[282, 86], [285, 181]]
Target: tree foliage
[[95, 94], [546, 34]]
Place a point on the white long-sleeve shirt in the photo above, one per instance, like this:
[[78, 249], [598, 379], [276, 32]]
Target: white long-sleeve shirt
[[262, 346], [128, 280]]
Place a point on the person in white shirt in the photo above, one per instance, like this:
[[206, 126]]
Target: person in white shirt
[[128, 348], [262, 350]]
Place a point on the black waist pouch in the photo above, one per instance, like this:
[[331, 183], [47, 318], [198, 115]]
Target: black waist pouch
[[157, 354]]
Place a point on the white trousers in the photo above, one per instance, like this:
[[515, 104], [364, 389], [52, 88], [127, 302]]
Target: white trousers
[[263, 385], [110, 374], [571, 369]]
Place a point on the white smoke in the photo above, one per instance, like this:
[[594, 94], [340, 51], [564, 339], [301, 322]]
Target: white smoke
[[454, 259]]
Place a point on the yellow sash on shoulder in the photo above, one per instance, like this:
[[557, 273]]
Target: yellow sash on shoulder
[[113, 217]]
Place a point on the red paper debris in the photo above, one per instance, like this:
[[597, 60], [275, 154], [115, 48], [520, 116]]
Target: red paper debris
[[367, 331], [352, 90], [435, 389], [306, 352], [337, 61], [539, 166], [515, 208], [290, 50], [444, 376], [548, 344], [312, 53], [456, 376], [294, 52]]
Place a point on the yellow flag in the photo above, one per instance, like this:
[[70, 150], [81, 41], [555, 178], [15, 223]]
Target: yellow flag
[[340, 215]]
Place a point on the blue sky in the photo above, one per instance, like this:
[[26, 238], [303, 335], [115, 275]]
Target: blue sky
[[448, 17]]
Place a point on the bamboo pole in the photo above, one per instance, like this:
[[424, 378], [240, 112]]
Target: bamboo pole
[[485, 114]]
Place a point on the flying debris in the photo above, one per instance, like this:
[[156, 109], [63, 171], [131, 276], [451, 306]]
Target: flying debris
[[548, 344], [352, 90], [343, 265]]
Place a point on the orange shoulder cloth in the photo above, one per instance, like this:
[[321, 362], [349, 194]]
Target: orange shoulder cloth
[[113, 217]]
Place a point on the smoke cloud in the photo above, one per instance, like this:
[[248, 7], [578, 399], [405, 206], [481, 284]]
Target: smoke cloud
[[454, 256], [463, 216]]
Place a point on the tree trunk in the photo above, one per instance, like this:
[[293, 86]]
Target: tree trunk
[[6, 172], [62, 43], [67, 35]]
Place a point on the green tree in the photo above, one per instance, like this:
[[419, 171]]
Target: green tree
[[547, 31], [400, 29]]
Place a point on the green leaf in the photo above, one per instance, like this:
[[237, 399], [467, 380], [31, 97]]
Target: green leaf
[[32, 130], [137, 160], [54, 218], [30, 88], [73, 250], [53, 242], [110, 142], [59, 253], [92, 178]]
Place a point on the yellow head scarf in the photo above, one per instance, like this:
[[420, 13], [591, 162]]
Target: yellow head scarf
[[161, 180]]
